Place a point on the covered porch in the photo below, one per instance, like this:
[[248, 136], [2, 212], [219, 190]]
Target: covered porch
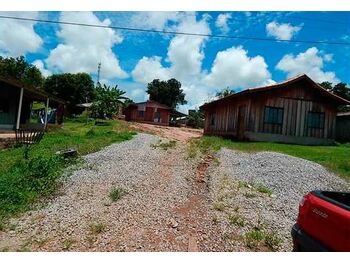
[[17, 109]]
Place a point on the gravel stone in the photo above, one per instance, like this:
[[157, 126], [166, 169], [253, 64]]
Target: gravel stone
[[289, 178]]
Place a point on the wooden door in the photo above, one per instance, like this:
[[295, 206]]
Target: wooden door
[[241, 122]]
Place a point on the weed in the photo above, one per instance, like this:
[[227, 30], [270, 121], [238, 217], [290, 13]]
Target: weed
[[117, 193], [242, 184], [165, 145], [215, 220], [236, 219], [67, 244], [263, 189], [253, 238], [97, 228], [219, 206], [273, 241]]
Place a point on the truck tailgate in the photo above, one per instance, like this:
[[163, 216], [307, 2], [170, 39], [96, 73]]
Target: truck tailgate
[[326, 222]]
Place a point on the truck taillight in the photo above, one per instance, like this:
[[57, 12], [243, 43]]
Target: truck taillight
[[302, 202]]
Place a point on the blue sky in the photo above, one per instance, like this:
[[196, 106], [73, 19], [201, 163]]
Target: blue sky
[[203, 65]]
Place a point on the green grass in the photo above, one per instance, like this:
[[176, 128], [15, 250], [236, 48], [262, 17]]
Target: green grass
[[335, 158], [23, 183], [236, 219], [257, 237], [97, 228], [263, 189], [165, 145], [116, 194]]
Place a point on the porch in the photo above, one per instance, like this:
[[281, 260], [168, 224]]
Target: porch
[[22, 106]]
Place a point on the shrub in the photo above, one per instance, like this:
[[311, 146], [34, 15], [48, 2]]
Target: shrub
[[116, 194]]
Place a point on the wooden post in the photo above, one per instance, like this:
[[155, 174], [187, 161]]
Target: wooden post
[[19, 108], [46, 111]]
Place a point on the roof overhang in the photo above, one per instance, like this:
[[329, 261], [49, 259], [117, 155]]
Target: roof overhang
[[34, 93]]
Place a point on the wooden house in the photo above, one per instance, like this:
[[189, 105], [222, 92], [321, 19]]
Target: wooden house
[[297, 111], [343, 127], [16, 100], [151, 112]]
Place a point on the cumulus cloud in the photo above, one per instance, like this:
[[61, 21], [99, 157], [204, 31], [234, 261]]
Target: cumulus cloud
[[310, 62], [221, 22], [234, 68], [19, 37], [41, 66], [185, 54], [148, 69], [154, 20], [83, 48], [283, 31]]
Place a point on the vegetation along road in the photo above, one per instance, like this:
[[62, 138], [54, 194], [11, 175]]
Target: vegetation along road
[[162, 189]]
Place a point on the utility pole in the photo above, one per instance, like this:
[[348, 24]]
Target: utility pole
[[98, 73]]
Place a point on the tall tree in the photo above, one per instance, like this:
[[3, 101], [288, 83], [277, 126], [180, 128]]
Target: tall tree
[[225, 92], [341, 89], [73, 88], [19, 69], [166, 92], [108, 102]]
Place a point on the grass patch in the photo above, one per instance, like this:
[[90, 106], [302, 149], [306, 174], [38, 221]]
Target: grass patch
[[116, 194], [335, 158], [97, 228], [68, 243], [219, 206], [258, 237], [236, 219], [263, 189], [23, 183], [165, 145]]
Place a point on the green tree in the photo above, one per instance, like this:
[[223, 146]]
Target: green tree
[[166, 92], [195, 119], [225, 92], [108, 101], [341, 89], [19, 69], [73, 88]]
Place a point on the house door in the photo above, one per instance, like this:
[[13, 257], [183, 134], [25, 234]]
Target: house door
[[241, 122]]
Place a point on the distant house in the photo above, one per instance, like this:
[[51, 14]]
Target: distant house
[[343, 127], [16, 101], [297, 110], [151, 112]]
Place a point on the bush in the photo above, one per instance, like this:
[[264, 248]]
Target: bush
[[26, 181]]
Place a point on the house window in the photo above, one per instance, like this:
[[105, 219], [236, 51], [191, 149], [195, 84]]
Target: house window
[[4, 106], [315, 120], [273, 115], [212, 119], [141, 113]]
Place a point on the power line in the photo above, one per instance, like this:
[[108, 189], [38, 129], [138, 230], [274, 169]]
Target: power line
[[176, 32]]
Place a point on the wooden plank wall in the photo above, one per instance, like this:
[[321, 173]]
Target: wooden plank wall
[[296, 104]]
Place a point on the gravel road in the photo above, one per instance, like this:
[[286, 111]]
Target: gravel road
[[285, 179], [171, 203], [164, 208]]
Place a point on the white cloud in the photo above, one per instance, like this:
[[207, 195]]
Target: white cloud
[[40, 65], [148, 69], [221, 22], [154, 20], [283, 31], [310, 62], [234, 68], [185, 54], [84, 47], [19, 37]]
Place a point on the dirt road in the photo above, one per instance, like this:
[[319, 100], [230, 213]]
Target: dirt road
[[166, 206]]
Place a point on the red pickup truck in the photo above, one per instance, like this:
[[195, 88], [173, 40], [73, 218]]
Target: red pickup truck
[[323, 222]]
